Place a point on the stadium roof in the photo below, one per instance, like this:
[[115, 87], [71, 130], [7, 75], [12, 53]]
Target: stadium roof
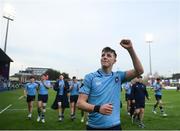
[[4, 57]]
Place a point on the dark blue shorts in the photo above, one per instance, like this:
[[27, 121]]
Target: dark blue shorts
[[74, 98], [158, 97], [30, 98], [43, 98], [140, 104], [60, 98], [127, 97]]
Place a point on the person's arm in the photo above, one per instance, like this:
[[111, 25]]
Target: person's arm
[[125, 86], [37, 87], [71, 86], [157, 88], [25, 93], [82, 104], [47, 85], [132, 95], [138, 68], [79, 85], [146, 93], [66, 85], [162, 86]]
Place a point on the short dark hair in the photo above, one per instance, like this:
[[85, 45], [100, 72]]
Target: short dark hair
[[74, 77], [108, 49], [61, 75], [44, 74], [32, 77], [158, 79]]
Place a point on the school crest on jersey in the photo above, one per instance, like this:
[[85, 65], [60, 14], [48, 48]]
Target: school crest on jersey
[[98, 83], [116, 79]]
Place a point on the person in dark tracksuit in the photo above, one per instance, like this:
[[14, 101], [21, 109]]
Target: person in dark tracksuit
[[138, 94], [61, 99]]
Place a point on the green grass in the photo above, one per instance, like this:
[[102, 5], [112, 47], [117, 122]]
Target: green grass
[[157, 122], [16, 116]]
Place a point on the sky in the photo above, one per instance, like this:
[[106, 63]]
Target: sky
[[68, 35]]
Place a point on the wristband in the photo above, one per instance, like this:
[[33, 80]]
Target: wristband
[[96, 108]]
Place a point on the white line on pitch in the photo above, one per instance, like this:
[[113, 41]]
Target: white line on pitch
[[20, 97], [5, 108], [23, 109], [17, 109]]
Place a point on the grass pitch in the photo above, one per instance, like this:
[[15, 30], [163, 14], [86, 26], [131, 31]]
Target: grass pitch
[[13, 114]]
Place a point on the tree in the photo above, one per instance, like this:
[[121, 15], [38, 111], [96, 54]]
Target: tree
[[176, 76], [66, 76], [54, 74]]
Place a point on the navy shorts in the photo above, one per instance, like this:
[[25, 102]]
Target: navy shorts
[[43, 98], [127, 97], [139, 104], [158, 97], [30, 98], [74, 98], [60, 98]]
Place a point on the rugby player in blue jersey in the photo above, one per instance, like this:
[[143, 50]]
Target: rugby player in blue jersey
[[74, 92], [30, 93], [158, 95], [44, 85], [100, 94], [127, 87]]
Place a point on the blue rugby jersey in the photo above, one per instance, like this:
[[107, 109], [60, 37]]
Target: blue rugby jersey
[[31, 88], [75, 89], [101, 89], [157, 88], [61, 87], [42, 89], [127, 88]]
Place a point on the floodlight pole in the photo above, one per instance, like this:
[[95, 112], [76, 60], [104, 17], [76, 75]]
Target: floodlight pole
[[150, 66], [7, 28]]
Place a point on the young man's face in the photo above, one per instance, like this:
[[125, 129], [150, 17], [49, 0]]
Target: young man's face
[[43, 77], [47, 77], [32, 79], [107, 59], [61, 77], [74, 80], [158, 81]]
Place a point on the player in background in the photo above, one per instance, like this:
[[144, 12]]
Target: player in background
[[127, 87], [157, 86], [44, 85], [74, 92], [138, 94], [30, 93]]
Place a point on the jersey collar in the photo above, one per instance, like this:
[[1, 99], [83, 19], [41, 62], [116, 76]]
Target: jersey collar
[[102, 73]]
